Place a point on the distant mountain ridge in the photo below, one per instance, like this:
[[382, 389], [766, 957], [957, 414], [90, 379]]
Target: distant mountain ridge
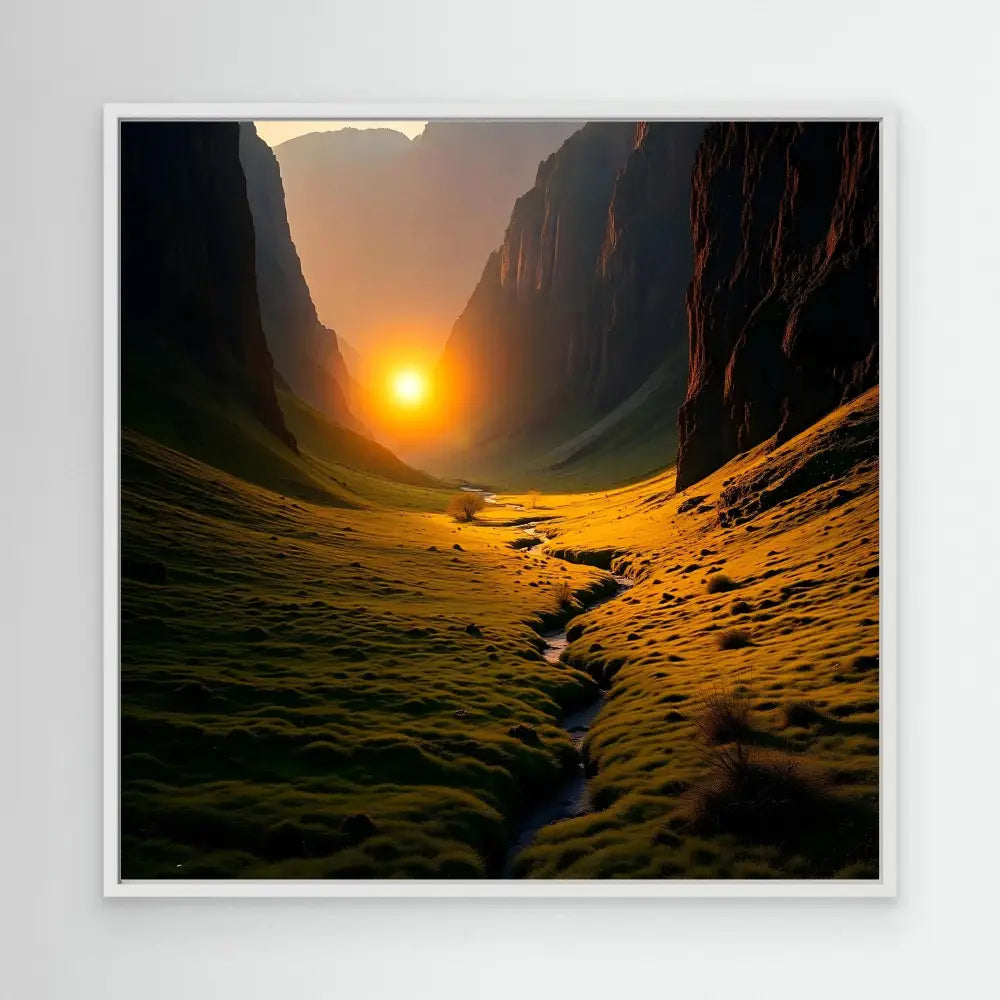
[[392, 232]]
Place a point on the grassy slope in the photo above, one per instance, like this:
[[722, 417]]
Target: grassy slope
[[806, 568], [300, 664], [633, 446], [170, 400], [366, 471], [635, 441], [272, 689]]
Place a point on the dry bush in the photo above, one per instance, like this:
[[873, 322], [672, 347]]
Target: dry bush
[[720, 582], [735, 638], [763, 797], [726, 714], [564, 594], [748, 792], [465, 506]]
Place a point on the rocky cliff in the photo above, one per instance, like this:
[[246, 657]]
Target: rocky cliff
[[524, 331], [188, 279], [645, 263], [305, 352], [783, 304], [585, 297]]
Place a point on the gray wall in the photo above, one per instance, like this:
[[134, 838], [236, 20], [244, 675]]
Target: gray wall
[[58, 63]]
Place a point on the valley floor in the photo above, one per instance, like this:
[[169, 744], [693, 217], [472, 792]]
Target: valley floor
[[320, 691]]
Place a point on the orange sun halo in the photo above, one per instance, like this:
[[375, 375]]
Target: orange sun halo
[[409, 387]]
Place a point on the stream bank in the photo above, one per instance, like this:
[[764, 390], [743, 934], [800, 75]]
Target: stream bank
[[571, 797]]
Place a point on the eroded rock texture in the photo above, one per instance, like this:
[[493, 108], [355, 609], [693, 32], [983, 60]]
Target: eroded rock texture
[[783, 305]]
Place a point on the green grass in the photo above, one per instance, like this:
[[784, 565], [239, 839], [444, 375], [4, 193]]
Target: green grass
[[169, 400], [353, 687], [634, 443], [287, 665], [808, 588], [331, 444]]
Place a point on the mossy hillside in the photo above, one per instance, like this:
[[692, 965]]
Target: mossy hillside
[[795, 530], [168, 399], [289, 667]]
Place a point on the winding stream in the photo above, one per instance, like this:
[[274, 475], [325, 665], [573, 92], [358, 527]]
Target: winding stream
[[572, 797]]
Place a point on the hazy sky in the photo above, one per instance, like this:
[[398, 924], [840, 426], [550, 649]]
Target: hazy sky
[[276, 132]]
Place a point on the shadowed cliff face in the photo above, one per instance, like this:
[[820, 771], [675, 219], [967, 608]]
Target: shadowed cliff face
[[305, 352], [525, 331], [783, 305], [585, 298], [646, 261], [187, 265]]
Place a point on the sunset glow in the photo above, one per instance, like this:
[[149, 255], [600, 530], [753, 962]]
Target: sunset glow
[[409, 387]]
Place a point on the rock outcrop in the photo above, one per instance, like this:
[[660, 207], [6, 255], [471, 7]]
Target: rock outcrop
[[305, 352], [188, 278], [783, 304]]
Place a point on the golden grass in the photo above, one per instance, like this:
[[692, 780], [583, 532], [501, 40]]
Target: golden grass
[[331, 692], [288, 667], [807, 561]]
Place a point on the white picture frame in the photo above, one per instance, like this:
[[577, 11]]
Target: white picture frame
[[886, 884]]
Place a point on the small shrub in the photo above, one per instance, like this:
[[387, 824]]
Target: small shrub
[[756, 795], [563, 594], [735, 638], [725, 715], [720, 582], [801, 713], [523, 731], [740, 607], [465, 506], [763, 798]]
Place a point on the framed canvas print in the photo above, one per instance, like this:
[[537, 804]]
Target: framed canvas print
[[499, 501]]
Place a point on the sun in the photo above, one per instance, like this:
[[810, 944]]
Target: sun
[[409, 387]]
